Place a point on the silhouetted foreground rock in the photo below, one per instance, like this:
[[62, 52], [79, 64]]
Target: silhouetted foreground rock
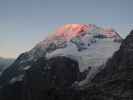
[[117, 77]]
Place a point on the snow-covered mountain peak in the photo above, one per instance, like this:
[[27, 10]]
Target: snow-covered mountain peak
[[80, 34], [88, 45], [70, 31]]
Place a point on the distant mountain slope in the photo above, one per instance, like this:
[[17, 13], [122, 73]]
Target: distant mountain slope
[[5, 62]]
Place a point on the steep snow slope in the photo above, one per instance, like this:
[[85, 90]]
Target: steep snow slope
[[94, 56]]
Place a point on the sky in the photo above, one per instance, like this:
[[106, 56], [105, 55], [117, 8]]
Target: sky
[[23, 23]]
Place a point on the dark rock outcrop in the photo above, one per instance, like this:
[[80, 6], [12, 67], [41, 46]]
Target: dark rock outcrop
[[120, 63], [43, 80], [117, 78]]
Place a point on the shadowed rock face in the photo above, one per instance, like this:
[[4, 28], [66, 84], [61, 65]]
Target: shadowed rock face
[[44, 76], [56, 72]]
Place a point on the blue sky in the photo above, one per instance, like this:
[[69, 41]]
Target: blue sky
[[23, 23]]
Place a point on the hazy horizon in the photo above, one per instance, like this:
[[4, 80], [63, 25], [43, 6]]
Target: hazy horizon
[[23, 23]]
